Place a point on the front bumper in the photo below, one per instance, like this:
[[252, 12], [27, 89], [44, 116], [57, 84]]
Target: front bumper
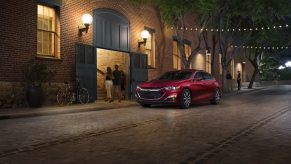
[[167, 97]]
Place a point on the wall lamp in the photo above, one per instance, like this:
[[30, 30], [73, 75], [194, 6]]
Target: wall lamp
[[86, 20], [144, 35]]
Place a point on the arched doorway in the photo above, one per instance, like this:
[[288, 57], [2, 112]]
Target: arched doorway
[[111, 39]]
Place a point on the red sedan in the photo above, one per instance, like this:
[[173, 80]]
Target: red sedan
[[179, 87]]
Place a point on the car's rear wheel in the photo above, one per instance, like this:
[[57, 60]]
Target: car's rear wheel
[[145, 105], [216, 97], [186, 98]]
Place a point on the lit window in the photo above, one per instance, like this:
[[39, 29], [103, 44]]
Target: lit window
[[47, 37], [188, 52], [232, 68], [208, 63], [150, 50], [176, 56]]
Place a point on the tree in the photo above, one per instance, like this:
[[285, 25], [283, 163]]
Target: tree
[[174, 12], [266, 13]]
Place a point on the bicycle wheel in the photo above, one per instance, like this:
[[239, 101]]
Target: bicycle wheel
[[83, 96], [64, 97]]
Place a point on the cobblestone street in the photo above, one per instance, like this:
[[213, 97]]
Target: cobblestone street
[[252, 127]]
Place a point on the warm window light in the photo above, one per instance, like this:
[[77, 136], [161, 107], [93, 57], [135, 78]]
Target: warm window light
[[86, 20], [144, 35]]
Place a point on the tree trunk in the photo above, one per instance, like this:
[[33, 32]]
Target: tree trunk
[[213, 53], [256, 71]]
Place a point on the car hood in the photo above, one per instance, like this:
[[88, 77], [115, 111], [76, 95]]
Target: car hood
[[160, 83]]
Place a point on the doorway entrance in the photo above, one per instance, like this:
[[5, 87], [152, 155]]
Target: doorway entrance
[[109, 58]]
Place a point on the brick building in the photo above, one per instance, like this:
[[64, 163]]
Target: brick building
[[48, 32]]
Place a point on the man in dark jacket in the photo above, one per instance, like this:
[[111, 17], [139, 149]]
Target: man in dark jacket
[[117, 82]]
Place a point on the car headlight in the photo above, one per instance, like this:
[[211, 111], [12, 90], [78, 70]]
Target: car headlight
[[171, 88]]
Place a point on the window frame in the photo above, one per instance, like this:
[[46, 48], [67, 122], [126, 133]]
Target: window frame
[[208, 61], [176, 56], [54, 32], [152, 50]]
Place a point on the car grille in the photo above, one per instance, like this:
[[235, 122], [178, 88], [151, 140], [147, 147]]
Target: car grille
[[150, 94]]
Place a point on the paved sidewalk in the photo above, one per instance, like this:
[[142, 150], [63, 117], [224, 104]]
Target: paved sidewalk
[[76, 108], [242, 91], [57, 109]]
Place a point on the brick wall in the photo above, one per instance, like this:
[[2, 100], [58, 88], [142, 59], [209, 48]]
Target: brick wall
[[18, 39]]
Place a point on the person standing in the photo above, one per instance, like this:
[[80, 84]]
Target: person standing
[[108, 84], [116, 82], [229, 81], [238, 80], [122, 84]]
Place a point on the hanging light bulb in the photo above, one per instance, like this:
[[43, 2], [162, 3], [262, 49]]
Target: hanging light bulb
[[287, 25], [186, 28], [268, 28], [211, 30], [191, 29], [262, 28], [274, 27], [280, 26]]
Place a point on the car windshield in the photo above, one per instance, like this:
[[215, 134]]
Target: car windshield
[[177, 75]]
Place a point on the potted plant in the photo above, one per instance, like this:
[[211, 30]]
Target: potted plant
[[35, 75]]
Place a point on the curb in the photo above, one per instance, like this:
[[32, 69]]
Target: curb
[[241, 92], [49, 113]]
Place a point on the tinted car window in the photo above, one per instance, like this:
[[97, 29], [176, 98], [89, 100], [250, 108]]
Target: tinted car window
[[207, 76], [175, 76], [198, 75]]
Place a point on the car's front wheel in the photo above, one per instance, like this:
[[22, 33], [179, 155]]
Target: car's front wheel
[[216, 97], [186, 98]]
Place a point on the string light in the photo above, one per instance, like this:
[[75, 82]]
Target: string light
[[232, 29], [260, 47]]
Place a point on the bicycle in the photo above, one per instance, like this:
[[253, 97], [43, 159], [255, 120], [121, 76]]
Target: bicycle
[[66, 95]]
